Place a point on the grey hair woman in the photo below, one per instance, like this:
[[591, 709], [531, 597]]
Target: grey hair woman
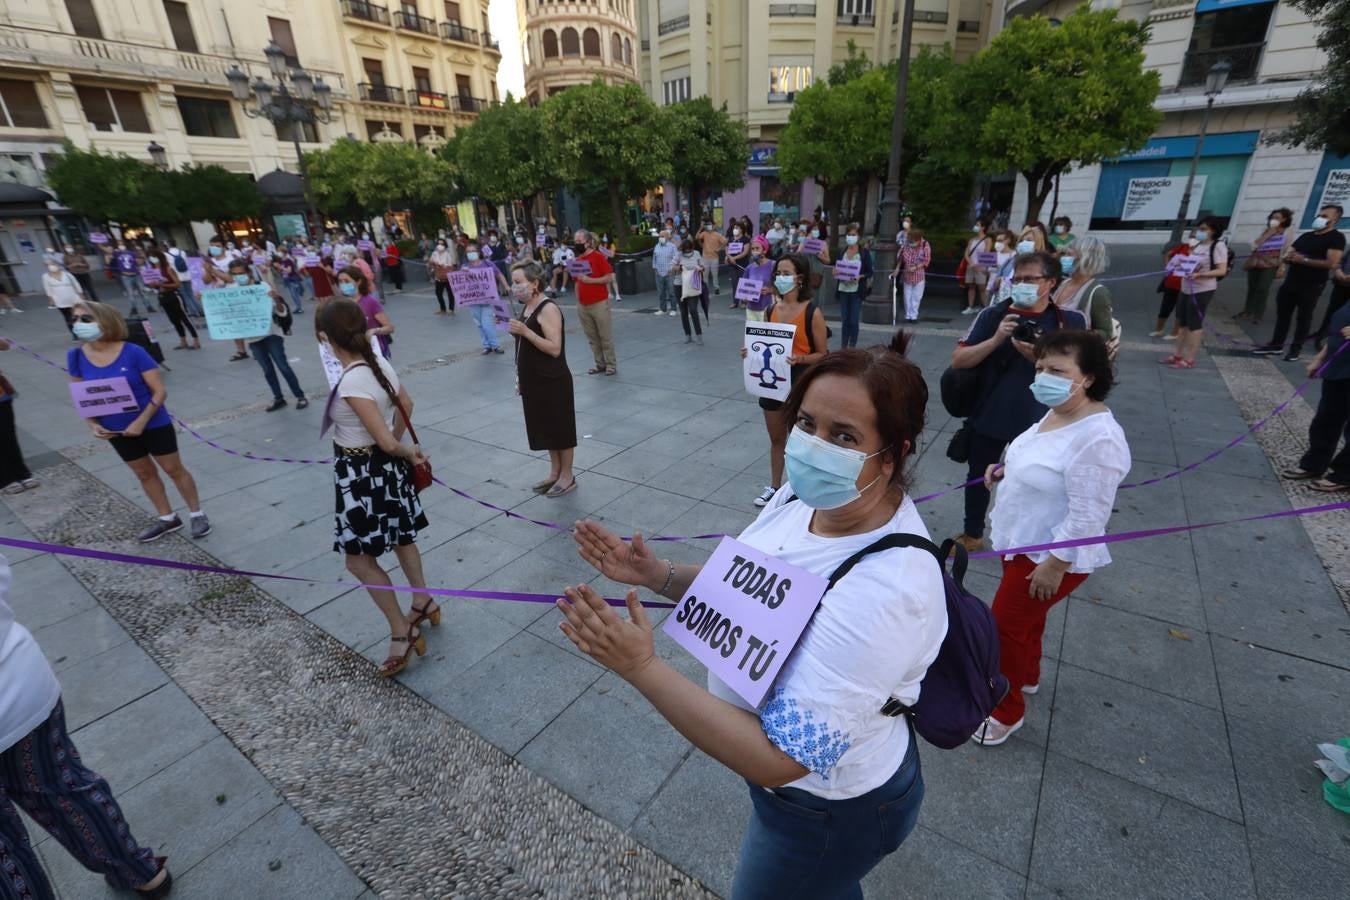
[[543, 380], [1084, 261]]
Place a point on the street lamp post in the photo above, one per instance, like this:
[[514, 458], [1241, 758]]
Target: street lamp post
[[1214, 84], [159, 157], [877, 307], [295, 98]]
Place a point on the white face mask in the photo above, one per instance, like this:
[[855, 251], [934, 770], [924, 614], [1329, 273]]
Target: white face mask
[[1000, 246], [1274, 223], [1319, 223]]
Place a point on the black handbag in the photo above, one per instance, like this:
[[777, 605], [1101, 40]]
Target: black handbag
[[958, 448]]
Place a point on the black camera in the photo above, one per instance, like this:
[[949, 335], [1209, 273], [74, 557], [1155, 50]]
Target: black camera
[[1026, 331]]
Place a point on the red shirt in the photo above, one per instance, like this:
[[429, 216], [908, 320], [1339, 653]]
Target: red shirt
[[594, 293], [323, 284], [391, 255], [1173, 282]]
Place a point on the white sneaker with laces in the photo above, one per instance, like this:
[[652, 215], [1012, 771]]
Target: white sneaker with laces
[[764, 498], [993, 732]]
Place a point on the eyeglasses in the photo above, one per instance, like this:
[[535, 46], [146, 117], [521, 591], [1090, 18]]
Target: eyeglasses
[[1026, 279], [85, 318]]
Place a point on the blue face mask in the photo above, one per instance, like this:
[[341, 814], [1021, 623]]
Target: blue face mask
[[851, 239], [1026, 246], [348, 289], [1051, 390], [784, 283], [215, 251], [241, 280], [1066, 265], [472, 255], [1024, 296], [823, 476], [87, 331]]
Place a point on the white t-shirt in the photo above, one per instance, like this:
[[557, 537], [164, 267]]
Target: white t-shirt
[[690, 265], [1059, 486], [28, 687], [562, 255], [360, 381], [63, 289], [873, 637]]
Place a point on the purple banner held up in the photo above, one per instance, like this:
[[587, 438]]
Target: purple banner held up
[[97, 237], [748, 290], [474, 285], [986, 258], [102, 396], [847, 269], [365, 245], [577, 267], [813, 245], [151, 275], [735, 247]]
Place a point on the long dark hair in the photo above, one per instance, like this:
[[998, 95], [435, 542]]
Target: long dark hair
[[343, 322], [163, 253], [803, 267], [894, 385]]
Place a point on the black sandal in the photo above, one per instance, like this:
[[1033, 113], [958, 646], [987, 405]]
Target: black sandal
[[238, 356]]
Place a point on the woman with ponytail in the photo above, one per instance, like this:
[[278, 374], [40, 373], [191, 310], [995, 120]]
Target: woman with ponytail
[[377, 507]]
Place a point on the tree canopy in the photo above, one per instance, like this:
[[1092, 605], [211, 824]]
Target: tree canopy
[[352, 178], [501, 154], [1322, 113], [711, 148], [1042, 98]]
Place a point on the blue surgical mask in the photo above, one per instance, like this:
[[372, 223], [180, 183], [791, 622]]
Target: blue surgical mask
[[784, 283], [241, 280], [1026, 246], [348, 288], [472, 255], [1024, 296], [822, 475], [1201, 235], [87, 331], [215, 251], [851, 239], [1319, 223], [1066, 265], [1051, 390]]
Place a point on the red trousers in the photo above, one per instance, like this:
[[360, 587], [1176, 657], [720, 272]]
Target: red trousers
[[1021, 623]]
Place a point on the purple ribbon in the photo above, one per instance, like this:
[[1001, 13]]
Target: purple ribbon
[[131, 559]]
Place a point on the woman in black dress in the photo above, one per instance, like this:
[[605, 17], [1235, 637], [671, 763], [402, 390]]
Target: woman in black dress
[[542, 378]]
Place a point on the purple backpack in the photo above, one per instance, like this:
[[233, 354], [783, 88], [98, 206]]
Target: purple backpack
[[963, 685]]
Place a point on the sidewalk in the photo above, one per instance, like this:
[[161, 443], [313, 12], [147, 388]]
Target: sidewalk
[[1167, 754]]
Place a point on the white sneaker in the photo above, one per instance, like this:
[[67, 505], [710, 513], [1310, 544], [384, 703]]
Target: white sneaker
[[674, 312], [993, 732], [16, 310], [1030, 688], [968, 311], [1155, 334], [764, 498]]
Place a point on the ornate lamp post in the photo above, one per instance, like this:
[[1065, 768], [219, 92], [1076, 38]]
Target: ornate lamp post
[[1214, 84], [295, 98], [159, 157]]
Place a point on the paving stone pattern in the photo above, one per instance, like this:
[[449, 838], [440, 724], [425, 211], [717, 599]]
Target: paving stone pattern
[[1167, 754]]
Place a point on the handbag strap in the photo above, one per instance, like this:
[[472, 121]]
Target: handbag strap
[[407, 421]]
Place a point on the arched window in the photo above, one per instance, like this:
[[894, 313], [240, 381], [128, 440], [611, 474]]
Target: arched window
[[616, 48], [550, 43], [571, 44], [590, 40], [628, 52]]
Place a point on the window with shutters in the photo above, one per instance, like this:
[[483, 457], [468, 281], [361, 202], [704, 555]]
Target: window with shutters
[[421, 79], [207, 117], [550, 43], [451, 11], [20, 106], [281, 33], [83, 18], [374, 71], [590, 40], [571, 43], [109, 109], [180, 25]]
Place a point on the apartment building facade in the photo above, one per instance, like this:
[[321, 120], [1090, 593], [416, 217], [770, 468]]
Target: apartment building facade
[[570, 42]]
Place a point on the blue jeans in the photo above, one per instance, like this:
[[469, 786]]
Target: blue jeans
[[270, 352], [190, 305], [131, 286], [798, 845], [486, 320], [296, 287], [850, 311], [665, 290]]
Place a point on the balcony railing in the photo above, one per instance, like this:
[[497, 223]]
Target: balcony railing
[[367, 12], [413, 22], [463, 103], [968, 26], [805, 10], [673, 25], [428, 99], [937, 17], [491, 42], [861, 21], [380, 93], [453, 31], [1244, 58], [782, 97]]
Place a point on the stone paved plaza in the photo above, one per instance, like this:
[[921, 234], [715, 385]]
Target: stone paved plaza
[[1168, 754]]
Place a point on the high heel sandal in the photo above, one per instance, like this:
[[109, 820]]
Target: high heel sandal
[[422, 615], [395, 664]]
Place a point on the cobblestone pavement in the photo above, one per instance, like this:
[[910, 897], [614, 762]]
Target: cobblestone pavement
[[1167, 754]]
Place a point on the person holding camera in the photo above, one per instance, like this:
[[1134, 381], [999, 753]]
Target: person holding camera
[[1000, 345]]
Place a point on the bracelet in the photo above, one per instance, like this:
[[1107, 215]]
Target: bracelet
[[670, 576]]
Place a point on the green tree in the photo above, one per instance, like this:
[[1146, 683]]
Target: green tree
[[501, 155], [612, 133], [209, 192], [934, 192], [400, 172], [104, 187], [849, 68], [1322, 114], [1043, 98], [711, 148], [841, 135], [332, 176]]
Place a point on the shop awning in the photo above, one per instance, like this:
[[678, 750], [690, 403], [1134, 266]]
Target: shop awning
[[1207, 6]]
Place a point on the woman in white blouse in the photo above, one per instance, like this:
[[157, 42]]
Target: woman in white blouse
[[835, 784], [1057, 483]]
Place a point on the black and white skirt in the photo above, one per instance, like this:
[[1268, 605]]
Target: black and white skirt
[[377, 508]]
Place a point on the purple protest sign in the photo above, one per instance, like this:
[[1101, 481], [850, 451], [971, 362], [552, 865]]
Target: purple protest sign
[[259, 259], [312, 261], [474, 285], [102, 396], [1271, 244], [151, 275], [748, 289], [813, 245], [197, 273], [97, 237], [540, 240], [986, 258], [577, 267], [847, 269], [365, 245], [1183, 265], [763, 273], [743, 615], [735, 247]]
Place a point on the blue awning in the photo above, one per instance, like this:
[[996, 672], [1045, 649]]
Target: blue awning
[[1206, 6]]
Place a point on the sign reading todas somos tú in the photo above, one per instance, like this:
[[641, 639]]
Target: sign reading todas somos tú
[[744, 614]]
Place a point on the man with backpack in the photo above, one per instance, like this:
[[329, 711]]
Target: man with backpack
[[994, 365]]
